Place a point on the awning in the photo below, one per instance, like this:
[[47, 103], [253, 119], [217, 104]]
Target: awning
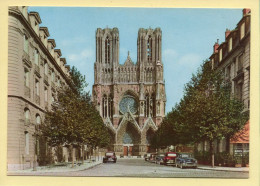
[[242, 136]]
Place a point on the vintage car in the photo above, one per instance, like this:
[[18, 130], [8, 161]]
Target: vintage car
[[109, 156], [169, 158], [152, 157], [147, 156], [186, 160], [159, 159]]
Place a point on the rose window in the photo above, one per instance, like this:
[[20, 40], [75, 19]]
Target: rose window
[[128, 103]]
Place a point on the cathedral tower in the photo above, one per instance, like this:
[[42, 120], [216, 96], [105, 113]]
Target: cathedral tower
[[131, 96]]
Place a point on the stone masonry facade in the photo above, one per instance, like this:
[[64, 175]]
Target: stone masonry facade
[[130, 97], [35, 71]]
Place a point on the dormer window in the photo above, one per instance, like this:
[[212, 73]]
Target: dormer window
[[230, 44], [242, 31], [220, 55]]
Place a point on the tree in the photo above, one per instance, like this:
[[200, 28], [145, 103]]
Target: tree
[[73, 119], [211, 111], [207, 112]]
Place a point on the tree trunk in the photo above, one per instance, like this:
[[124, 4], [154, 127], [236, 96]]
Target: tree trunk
[[212, 153], [72, 155], [82, 146]]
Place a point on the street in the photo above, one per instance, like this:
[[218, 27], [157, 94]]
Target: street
[[141, 168]]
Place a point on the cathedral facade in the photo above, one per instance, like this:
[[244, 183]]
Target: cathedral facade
[[130, 97]]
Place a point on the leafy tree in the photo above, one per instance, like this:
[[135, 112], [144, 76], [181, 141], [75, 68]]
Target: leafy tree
[[207, 112], [73, 119]]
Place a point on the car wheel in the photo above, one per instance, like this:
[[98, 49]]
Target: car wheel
[[114, 161]]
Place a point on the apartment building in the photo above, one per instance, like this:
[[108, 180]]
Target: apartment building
[[36, 69]]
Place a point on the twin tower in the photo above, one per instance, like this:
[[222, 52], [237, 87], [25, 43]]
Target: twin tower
[[131, 96]]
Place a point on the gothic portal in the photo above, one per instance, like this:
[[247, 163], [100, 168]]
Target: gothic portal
[[131, 96]]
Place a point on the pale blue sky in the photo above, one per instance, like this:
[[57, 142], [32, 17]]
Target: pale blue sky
[[188, 36]]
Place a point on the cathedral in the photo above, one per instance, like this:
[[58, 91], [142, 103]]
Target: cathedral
[[130, 97]]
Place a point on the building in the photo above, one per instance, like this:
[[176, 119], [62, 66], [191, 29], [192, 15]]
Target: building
[[35, 71], [130, 97], [233, 58]]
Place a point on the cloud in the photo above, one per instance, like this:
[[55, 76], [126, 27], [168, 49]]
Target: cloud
[[190, 60], [81, 56]]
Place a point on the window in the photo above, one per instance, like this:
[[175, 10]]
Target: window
[[45, 94], [107, 50], [239, 91], [36, 57], [37, 87], [38, 119], [26, 77], [149, 48], [46, 68], [230, 44], [27, 114], [26, 136], [26, 44], [242, 30], [212, 63], [220, 55], [240, 63]]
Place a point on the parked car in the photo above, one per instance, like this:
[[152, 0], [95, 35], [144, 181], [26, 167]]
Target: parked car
[[147, 156], [186, 160], [169, 158], [152, 157], [159, 159], [109, 156]]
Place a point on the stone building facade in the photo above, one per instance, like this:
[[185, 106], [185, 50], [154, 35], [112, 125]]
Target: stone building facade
[[130, 97], [233, 58], [35, 71]]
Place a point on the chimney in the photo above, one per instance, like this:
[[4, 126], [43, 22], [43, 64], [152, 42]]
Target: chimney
[[227, 33], [246, 11], [215, 47]]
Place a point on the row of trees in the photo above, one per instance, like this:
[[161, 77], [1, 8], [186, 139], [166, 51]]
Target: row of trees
[[73, 119], [207, 112]]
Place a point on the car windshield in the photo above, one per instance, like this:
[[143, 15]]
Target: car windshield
[[109, 154], [172, 155]]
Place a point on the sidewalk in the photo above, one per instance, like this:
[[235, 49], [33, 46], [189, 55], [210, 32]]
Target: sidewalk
[[49, 169], [229, 169]]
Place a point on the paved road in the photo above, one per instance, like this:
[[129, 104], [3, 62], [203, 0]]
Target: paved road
[[141, 168]]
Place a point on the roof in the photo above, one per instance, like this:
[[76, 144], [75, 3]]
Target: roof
[[242, 136]]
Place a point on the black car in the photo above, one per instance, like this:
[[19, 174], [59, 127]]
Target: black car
[[159, 159], [186, 160], [110, 156]]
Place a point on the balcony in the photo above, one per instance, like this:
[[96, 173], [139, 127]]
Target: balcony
[[26, 59], [27, 91], [37, 99]]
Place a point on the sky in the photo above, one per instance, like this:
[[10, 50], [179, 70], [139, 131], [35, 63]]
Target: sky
[[188, 36]]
